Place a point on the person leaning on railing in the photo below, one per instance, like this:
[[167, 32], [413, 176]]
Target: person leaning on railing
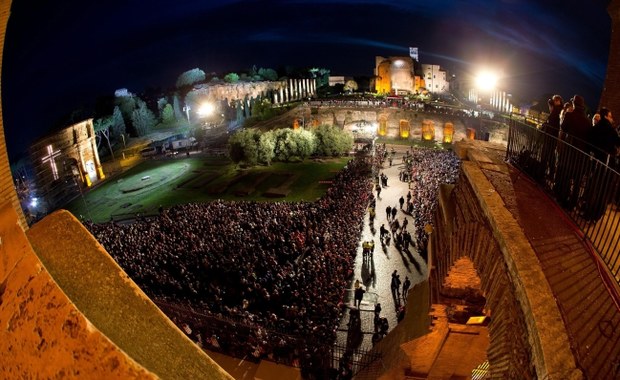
[[603, 183], [552, 128], [574, 130]]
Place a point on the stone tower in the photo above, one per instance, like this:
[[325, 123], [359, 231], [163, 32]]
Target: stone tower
[[611, 88]]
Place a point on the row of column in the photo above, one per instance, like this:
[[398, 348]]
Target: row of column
[[500, 101], [295, 89]]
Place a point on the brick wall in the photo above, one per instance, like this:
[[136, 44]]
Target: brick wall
[[468, 234], [610, 97], [7, 188]]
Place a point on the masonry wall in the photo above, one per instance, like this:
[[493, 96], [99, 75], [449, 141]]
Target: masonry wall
[[610, 97], [475, 220], [7, 188]]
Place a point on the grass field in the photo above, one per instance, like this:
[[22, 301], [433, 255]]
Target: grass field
[[154, 183]]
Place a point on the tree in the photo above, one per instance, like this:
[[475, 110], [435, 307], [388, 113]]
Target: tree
[[268, 74], [143, 119], [127, 105], [161, 103], [266, 146], [332, 141], [350, 85], [167, 114], [306, 143], [102, 129], [190, 77], [231, 78], [243, 146], [118, 124], [176, 106]]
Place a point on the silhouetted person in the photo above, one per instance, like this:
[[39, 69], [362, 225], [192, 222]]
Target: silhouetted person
[[574, 131], [549, 143]]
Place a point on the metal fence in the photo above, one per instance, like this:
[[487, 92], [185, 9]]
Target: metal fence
[[583, 180], [235, 337]]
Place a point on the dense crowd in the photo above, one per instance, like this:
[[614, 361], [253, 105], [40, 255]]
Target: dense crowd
[[275, 271], [426, 169], [267, 265]]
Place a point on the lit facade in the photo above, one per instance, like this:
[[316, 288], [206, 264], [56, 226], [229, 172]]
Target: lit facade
[[65, 160], [395, 75], [435, 79]]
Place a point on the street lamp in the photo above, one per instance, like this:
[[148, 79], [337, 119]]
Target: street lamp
[[205, 109], [486, 80]]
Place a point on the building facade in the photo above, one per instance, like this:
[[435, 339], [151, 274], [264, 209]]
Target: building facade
[[435, 79], [65, 161], [396, 76]]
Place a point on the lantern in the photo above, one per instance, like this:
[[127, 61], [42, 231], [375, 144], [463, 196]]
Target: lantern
[[471, 133], [428, 130], [296, 124], [448, 133], [404, 129], [382, 130]]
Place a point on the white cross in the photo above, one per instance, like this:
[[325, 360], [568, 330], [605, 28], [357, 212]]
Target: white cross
[[51, 155]]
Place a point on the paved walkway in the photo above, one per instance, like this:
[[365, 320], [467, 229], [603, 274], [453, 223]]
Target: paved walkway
[[375, 274], [590, 315]]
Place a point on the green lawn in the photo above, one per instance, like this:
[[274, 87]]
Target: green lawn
[[155, 183]]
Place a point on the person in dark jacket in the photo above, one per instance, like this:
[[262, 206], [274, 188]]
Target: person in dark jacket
[[572, 160], [604, 138], [605, 144], [549, 143]]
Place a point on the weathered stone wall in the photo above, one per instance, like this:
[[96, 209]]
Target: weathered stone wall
[[43, 335], [344, 117], [527, 337], [610, 97], [7, 188]]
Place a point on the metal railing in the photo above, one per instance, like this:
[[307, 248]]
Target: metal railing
[[583, 180]]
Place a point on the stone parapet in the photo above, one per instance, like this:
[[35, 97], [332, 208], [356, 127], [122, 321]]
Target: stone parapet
[[550, 350], [113, 304]]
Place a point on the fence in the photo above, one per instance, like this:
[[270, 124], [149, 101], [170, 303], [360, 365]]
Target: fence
[[235, 337], [583, 180]]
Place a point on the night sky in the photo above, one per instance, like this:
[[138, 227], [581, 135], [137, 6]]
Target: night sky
[[60, 56]]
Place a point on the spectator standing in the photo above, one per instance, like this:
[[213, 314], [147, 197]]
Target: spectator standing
[[574, 131], [406, 286]]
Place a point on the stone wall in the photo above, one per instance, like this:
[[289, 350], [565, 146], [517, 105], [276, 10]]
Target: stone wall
[[610, 97], [347, 118], [7, 188], [473, 220]]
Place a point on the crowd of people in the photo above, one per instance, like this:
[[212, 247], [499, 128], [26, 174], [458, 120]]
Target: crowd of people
[[569, 133], [261, 264], [425, 170]]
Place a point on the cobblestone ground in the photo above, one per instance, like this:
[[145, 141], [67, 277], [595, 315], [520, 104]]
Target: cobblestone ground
[[376, 274]]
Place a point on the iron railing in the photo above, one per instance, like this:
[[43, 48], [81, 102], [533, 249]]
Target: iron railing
[[583, 180]]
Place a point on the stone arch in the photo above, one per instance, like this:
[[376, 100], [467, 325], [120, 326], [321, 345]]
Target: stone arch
[[467, 234]]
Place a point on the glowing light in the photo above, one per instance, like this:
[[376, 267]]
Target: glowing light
[[428, 130], [448, 133], [382, 130], [51, 157], [205, 109], [486, 80], [399, 63], [404, 129], [34, 202]]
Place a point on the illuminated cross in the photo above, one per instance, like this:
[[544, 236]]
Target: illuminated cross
[[51, 155]]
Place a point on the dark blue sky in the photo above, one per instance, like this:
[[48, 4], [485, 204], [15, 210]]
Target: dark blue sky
[[62, 55]]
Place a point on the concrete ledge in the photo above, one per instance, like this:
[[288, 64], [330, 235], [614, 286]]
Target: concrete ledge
[[549, 341], [114, 304]]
